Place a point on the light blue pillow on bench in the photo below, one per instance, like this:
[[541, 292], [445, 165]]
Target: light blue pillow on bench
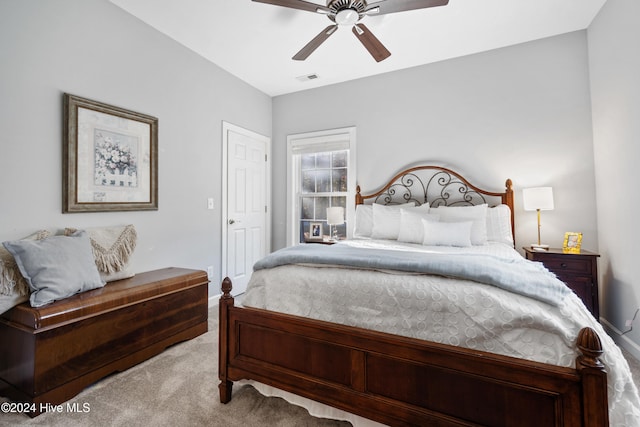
[[56, 267]]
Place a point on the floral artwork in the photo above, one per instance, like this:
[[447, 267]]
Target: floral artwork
[[110, 158], [116, 162]]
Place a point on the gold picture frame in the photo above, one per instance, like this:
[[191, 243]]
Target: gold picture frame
[[572, 242], [110, 158]]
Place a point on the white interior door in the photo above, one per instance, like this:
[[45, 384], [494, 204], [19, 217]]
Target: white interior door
[[246, 234]]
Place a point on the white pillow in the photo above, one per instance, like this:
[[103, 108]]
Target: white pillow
[[411, 229], [112, 249], [447, 233], [499, 225], [386, 220], [476, 214], [364, 219]]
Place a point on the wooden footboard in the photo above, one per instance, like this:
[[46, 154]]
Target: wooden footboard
[[404, 381]]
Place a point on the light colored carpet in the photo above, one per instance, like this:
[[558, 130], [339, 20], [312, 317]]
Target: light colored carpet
[[178, 387]]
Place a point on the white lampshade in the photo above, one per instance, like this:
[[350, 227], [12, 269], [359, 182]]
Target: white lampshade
[[335, 215], [537, 198]]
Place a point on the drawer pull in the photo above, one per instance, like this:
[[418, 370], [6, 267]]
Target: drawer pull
[[563, 265]]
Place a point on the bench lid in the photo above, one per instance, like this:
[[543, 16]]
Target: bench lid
[[114, 295]]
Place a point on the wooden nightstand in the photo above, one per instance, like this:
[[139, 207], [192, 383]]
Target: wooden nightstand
[[578, 271]]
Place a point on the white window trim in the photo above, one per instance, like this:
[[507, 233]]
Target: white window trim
[[326, 140]]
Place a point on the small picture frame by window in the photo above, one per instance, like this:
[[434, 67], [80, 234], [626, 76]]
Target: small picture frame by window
[[315, 232], [572, 242]]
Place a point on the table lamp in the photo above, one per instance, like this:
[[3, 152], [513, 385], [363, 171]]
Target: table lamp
[[538, 199], [335, 216]]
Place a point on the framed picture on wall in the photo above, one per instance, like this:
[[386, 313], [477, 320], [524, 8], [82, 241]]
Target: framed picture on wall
[[572, 242], [110, 158]]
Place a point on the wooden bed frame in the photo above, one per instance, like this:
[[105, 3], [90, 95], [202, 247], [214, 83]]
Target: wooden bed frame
[[403, 381]]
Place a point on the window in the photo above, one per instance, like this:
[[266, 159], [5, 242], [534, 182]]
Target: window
[[321, 175]]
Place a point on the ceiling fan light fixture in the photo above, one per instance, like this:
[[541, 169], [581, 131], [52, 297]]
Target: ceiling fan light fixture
[[349, 13], [347, 17]]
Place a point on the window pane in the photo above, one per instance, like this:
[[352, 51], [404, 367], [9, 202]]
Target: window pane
[[307, 208], [309, 181], [308, 161], [339, 159], [322, 203], [339, 201], [304, 228], [323, 160], [322, 181], [339, 179]]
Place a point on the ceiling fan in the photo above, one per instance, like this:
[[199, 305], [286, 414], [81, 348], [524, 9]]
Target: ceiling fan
[[349, 13]]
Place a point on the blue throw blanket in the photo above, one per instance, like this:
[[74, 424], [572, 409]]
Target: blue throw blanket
[[524, 277]]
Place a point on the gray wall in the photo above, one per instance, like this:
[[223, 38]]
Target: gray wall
[[93, 49], [614, 43], [521, 112]]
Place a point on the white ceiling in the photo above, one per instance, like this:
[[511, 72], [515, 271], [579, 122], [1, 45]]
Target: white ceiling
[[255, 41]]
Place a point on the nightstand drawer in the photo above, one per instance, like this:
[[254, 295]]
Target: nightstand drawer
[[569, 265]]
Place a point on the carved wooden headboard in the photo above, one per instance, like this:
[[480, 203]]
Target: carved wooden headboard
[[440, 187]]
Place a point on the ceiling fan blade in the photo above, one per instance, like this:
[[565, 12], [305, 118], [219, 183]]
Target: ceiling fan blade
[[373, 45], [313, 44], [297, 4], [393, 6]]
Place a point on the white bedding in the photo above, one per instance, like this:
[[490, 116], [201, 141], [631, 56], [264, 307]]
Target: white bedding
[[441, 309]]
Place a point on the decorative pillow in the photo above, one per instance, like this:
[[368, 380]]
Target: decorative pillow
[[364, 219], [447, 233], [11, 281], [499, 225], [411, 229], [56, 267], [476, 214], [112, 249], [386, 220]]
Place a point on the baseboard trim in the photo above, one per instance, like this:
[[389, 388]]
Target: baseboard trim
[[620, 339]]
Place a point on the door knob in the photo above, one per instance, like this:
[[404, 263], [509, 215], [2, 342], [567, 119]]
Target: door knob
[[232, 221]]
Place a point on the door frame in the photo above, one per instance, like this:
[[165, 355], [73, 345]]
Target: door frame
[[226, 127]]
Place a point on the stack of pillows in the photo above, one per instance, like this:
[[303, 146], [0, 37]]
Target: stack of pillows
[[459, 226], [44, 268]]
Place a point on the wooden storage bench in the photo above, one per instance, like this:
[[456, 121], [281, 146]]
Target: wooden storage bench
[[51, 353]]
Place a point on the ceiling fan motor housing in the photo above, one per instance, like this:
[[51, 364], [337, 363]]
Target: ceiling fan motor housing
[[346, 12]]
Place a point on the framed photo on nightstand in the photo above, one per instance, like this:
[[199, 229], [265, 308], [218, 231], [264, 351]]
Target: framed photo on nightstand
[[572, 243]]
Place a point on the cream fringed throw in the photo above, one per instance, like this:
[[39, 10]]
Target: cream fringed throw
[[11, 281], [112, 248]]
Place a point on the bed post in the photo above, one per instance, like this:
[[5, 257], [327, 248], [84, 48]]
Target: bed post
[[226, 301], [508, 200], [594, 379], [359, 199]]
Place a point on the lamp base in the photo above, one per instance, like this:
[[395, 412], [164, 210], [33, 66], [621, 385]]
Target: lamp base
[[540, 248]]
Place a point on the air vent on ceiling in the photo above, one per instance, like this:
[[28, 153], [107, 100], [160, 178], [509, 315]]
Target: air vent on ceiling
[[307, 77]]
